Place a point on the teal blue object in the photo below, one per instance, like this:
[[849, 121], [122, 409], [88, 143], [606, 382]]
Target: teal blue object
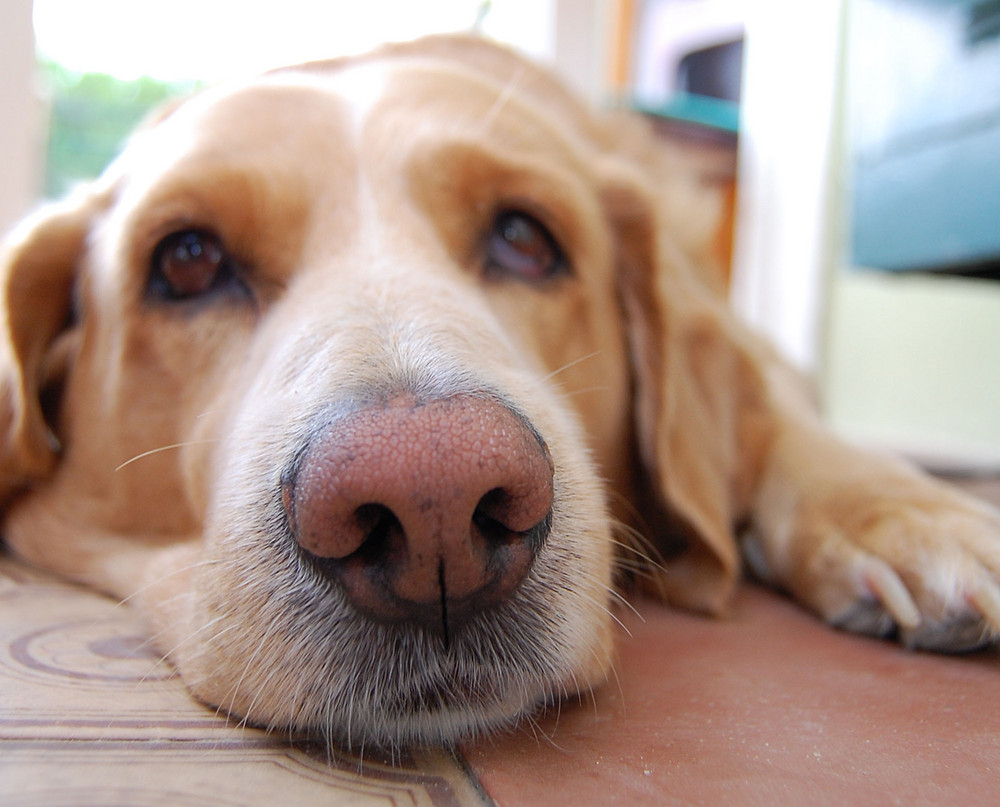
[[701, 109]]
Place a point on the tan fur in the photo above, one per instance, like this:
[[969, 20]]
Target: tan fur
[[357, 193]]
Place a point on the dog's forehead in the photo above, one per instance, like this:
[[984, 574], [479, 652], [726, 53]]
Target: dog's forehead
[[264, 114], [292, 98], [369, 105], [439, 99]]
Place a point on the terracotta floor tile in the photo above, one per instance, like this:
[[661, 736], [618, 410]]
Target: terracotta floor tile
[[766, 707]]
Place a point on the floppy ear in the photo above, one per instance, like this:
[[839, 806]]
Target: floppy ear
[[695, 393], [38, 264]]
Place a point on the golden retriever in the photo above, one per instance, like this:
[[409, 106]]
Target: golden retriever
[[357, 377]]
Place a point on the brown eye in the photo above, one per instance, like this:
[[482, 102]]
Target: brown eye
[[520, 246], [191, 263]]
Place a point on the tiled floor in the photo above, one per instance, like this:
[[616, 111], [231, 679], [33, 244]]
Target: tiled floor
[[767, 707]]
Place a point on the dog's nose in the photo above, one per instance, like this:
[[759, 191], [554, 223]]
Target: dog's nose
[[425, 512]]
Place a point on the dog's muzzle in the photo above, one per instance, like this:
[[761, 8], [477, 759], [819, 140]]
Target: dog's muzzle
[[423, 512]]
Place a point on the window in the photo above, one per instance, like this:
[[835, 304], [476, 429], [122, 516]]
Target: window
[[106, 63]]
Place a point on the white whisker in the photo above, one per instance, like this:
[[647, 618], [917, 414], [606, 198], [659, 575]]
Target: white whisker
[[505, 95], [583, 390], [172, 573], [265, 637], [570, 364], [624, 601], [165, 657], [170, 447]]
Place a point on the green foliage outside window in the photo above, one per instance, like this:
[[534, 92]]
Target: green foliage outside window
[[91, 114]]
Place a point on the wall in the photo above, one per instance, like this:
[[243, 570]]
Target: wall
[[913, 365], [20, 113], [787, 215]]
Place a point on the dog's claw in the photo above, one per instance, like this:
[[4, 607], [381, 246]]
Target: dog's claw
[[962, 634], [986, 600], [891, 593], [884, 605], [975, 627], [866, 617]]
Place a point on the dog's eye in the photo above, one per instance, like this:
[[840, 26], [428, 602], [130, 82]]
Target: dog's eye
[[189, 263], [521, 246]]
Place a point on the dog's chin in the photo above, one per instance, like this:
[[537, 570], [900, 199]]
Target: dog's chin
[[412, 694], [302, 661]]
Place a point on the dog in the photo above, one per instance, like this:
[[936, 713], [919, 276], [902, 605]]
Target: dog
[[361, 379]]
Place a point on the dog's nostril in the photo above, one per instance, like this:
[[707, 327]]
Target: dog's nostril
[[425, 513], [488, 518], [379, 525], [498, 518]]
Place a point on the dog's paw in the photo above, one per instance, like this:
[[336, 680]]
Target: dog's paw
[[922, 565], [952, 616]]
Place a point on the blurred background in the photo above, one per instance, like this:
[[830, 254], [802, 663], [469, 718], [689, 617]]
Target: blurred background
[[844, 156]]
